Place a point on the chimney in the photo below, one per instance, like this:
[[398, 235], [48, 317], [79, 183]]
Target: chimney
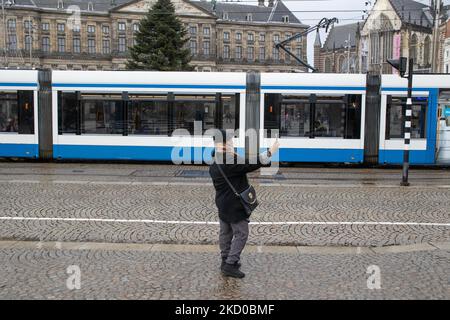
[[270, 5], [261, 3]]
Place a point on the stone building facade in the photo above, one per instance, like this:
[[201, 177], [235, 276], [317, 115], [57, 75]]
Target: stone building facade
[[339, 54], [393, 28], [396, 28], [96, 35]]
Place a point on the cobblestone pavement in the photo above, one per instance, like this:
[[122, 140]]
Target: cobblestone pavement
[[172, 204], [124, 271]]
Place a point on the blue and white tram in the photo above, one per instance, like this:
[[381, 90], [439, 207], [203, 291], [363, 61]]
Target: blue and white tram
[[135, 115], [18, 114], [426, 90], [320, 116]]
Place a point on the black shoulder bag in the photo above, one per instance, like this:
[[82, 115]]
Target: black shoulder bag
[[247, 197]]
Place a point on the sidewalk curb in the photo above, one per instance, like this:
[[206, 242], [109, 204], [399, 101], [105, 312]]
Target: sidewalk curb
[[301, 250]]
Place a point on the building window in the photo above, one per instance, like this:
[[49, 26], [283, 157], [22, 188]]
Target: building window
[[28, 42], [238, 36], [413, 48], [61, 27], [276, 38], [276, 54], [248, 17], [262, 37], [91, 29], [238, 52], [328, 66], [77, 45], [206, 31], [226, 36], [395, 111], [91, 46], [17, 112], [193, 47], [285, 19], [287, 57], [250, 53], [250, 37], [12, 42], [46, 44], [314, 116], [122, 44], [122, 26], [76, 28], [105, 29], [136, 27], [106, 46], [27, 25], [11, 24], [226, 52], [262, 53], [225, 15], [206, 48], [298, 52], [193, 30], [61, 45]]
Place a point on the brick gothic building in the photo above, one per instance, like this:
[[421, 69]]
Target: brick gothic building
[[222, 36], [339, 53]]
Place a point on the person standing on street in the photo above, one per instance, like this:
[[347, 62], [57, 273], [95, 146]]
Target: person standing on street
[[233, 218]]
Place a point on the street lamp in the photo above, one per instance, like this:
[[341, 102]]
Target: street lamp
[[400, 65]]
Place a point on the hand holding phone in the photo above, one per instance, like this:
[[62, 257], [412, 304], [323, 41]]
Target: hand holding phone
[[275, 147]]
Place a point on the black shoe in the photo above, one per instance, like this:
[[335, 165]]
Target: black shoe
[[231, 270], [237, 264]]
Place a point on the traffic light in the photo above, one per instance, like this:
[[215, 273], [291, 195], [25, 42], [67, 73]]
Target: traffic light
[[399, 64]]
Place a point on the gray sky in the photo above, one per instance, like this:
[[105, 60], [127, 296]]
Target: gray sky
[[327, 8]]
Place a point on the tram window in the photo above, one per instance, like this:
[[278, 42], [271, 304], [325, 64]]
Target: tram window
[[314, 116], [211, 111], [17, 112], [230, 112], [295, 116], [67, 112], [148, 115], [190, 109], [102, 114], [395, 122]]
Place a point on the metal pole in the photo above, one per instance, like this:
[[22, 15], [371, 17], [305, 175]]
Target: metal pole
[[435, 53], [407, 126]]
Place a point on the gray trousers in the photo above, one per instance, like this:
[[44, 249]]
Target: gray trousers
[[232, 240]]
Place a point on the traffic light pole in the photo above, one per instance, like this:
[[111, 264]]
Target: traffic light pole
[[407, 126]]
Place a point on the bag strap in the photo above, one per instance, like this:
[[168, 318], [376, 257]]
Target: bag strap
[[226, 179]]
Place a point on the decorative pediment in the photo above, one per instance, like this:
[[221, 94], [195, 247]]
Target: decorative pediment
[[182, 7]]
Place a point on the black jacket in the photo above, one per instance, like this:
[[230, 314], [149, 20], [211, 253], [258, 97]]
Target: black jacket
[[229, 205]]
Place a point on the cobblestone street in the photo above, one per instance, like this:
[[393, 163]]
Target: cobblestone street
[[150, 231]]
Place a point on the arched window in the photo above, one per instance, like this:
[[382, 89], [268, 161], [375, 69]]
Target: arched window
[[327, 65], [413, 48], [341, 64], [427, 51]]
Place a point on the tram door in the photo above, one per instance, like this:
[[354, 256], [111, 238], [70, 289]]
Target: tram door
[[443, 134]]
